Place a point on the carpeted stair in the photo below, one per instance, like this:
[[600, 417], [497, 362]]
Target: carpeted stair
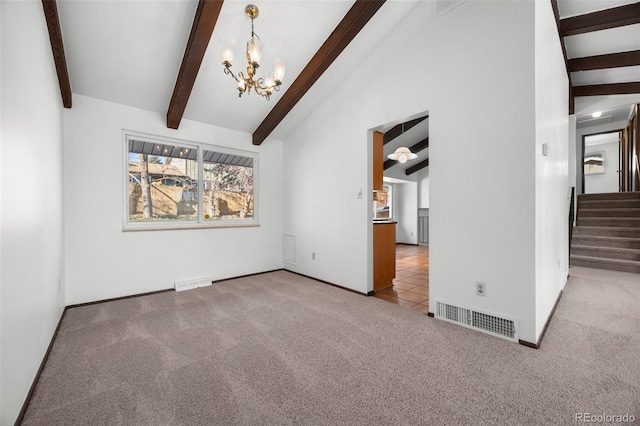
[[607, 235]]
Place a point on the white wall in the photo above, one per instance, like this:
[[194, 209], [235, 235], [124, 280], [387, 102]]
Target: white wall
[[552, 171], [591, 130], [105, 262], [609, 180], [1, 83], [32, 276], [489, 161], [405, 203], [398, 172], [482, 173], [423, 188], [573, 178]]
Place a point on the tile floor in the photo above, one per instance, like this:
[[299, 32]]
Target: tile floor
[[411, 285]]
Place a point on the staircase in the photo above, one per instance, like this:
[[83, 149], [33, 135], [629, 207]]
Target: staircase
[[607, 235]]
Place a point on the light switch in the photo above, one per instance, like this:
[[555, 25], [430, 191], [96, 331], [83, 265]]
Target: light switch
[[545, 149]]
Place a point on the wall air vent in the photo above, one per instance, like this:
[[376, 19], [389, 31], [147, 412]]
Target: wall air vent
[[194, 283], [289, 248], [444, 6], [505, 328]]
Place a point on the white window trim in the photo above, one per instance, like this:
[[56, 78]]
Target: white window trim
[[201, 223]]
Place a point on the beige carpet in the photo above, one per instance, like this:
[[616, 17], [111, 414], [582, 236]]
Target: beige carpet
[[280, 349]]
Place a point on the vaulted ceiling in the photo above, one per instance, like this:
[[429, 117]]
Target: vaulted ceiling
[[601, 39], [412, 134], [133, 53]]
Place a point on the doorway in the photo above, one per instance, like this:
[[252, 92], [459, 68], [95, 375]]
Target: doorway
[[602, 163], [401, 189]]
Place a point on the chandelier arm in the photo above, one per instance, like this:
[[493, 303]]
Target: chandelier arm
[[261, 89], [227, 70]]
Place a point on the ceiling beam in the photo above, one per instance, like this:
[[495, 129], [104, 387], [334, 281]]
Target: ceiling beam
[[609, 18], [203, 24], [556, 14], [354, 20], [607, 89], [50, 8], [398, 129], [421, 165], [417, 147], [611, 60]]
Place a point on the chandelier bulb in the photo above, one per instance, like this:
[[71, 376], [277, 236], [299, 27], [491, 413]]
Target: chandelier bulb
[[269, 81], [228, 44], [254, 51], [279, 69], [402, 158]]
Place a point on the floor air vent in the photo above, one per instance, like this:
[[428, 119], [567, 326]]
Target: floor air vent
[[481, 321], [194, 283]]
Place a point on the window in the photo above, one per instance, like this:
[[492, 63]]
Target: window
[[594, 163], [382, 204], [178, 184]]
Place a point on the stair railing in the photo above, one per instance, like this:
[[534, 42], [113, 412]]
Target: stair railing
[[637, 170], [571, 213]]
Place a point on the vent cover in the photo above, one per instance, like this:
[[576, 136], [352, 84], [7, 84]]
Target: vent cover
[[444, 6], [194, 283], [505, 328], [289, 248]]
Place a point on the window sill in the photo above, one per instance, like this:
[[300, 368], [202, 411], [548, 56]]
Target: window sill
[[182, 226]]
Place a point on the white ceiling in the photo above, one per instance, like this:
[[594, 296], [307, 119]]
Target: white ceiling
[[602, 42], [569, 8], [622, 113], [129, 52]]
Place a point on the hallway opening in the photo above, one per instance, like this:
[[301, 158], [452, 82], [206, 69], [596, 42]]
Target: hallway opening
[[411, 284]]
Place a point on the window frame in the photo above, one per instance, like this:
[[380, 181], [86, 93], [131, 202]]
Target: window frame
[[200, 222]]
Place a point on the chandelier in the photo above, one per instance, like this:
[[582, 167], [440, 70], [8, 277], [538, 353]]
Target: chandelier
[[263, 87]]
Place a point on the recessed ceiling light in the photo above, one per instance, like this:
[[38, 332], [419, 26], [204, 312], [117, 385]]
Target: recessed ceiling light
[[596, 114]]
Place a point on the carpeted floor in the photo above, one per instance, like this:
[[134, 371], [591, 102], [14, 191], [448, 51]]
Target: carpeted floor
[[280, 349]]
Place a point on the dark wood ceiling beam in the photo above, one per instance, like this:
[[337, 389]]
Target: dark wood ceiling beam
[[556, 14], [611, 60], [203, 24], [607, 89], [50, 8], [417, 147], [609, 18], [421, 165], [354, 20], [398, 129]]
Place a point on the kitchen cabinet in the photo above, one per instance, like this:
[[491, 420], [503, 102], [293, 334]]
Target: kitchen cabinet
[[378, 160], [384, 254]]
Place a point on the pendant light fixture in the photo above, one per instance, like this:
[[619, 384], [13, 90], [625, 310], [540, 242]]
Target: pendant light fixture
[[402, 154], [263, 87]]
